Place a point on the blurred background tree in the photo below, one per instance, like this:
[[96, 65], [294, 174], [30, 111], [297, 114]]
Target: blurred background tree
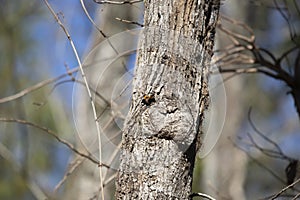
[[31, 163]]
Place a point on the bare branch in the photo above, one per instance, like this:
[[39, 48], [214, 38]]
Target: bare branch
[[266, 138], [286, 53], [86, 86], [117, 2], [205, 196], [243, 26], [267, 152], [296, 197], [91, 20], [285, 189], [36, 87], [287, 17], [72, 167], [54, 135], [130, 22], [236, 35], [110, 179], [297, 7], [35, 190], [239, 49], [268, 53], [249, 70], [259, 163]]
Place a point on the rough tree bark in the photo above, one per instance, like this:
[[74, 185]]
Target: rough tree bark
[[162, 132]]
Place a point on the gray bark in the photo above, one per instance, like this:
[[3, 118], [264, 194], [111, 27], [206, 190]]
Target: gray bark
[[162, 132]]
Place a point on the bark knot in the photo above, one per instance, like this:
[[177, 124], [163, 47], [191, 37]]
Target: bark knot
[[168, 119]]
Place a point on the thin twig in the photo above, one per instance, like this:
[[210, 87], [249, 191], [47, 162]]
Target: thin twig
[[296, 196], [237, 71], [91, 20], [118, 2], [259, 163], [86, 85], [111, 178], [130, 22], [36, 87], [35, 190], [283, 156], [95, 25], [71, 168], [267, 152], [205, 196], [287, 17], [54, 135], [240, 24], [286, 53], [286, 188]]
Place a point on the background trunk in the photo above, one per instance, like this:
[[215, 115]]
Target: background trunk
[[226, 181], [163, 128], [84, 184]]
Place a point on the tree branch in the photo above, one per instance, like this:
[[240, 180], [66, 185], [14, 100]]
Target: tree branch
[[54, 135], [118, 2]]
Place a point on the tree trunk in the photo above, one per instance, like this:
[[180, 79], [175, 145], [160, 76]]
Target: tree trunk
[[162, 132]]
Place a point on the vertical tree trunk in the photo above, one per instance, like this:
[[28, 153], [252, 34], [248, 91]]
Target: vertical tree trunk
[[163, 128]]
